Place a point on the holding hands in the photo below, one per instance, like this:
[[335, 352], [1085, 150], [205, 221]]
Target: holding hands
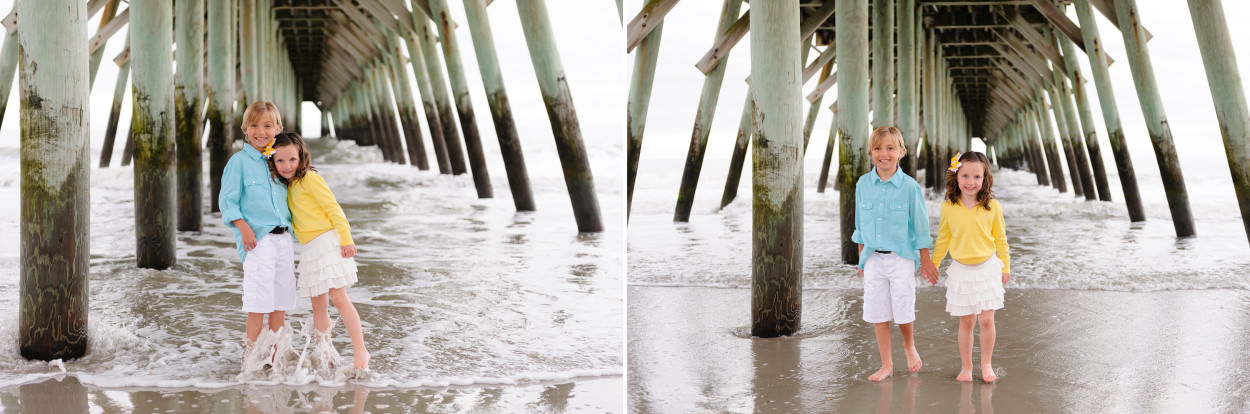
[[929, 269]]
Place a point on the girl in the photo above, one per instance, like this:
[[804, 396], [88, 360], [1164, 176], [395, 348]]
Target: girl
[[972, 228], [253, 205], [326, 264]]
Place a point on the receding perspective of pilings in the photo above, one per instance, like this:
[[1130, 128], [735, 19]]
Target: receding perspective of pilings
[[55, 205], [564, 125], [777, 160], [153, 83], [1224, 78]]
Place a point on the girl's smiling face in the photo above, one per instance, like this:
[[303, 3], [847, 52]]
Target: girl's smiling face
[[260, 132], [971, 177], [286, 160]]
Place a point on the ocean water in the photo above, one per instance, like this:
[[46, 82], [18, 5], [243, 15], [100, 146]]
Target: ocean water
[[455, 292], [1058, 241]]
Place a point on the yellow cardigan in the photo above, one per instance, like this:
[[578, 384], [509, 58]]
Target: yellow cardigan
[[314, 210], [971, 235]]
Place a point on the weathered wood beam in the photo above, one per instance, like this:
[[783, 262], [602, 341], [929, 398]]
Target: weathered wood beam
[[153, 127], [724, 43], [1060, 20], [852, 43], [648, 19], [188, 87]]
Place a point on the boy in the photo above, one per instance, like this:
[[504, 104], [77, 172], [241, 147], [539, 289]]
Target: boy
[[891, 225], [254, 205]]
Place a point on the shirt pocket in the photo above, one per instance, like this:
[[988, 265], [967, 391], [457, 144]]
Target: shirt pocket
[[896, 216]]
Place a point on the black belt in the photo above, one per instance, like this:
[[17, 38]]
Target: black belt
[[884, 251], [278, 230]]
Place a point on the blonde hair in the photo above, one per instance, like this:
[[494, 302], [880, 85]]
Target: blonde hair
[[885, 132], [259, 109]]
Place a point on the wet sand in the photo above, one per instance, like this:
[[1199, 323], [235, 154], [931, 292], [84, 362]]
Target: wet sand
[[690, 350], [68, 395]]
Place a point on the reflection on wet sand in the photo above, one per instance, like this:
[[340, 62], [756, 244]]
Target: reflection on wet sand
[[1057, 351]]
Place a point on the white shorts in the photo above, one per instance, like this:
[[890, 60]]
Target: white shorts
[[889, 289], [269, 275]]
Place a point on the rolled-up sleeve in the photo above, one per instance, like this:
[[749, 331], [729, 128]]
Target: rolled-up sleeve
[[920, 221], [230, 199]]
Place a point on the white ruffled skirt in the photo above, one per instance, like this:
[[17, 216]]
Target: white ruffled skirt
[[322, 266], [973, 289]]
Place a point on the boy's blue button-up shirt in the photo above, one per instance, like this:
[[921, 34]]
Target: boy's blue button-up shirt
[[248, 193], [891, 216]]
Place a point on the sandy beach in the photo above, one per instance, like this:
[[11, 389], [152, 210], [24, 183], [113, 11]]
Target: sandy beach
[[690, 350], [68, 395]]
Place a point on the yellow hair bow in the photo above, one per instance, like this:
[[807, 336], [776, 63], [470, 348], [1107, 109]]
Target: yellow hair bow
[[268, 149], [955, 163]]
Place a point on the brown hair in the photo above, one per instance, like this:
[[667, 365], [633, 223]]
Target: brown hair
[[952, 182], [886, 132], [305, 161], [258, 109]]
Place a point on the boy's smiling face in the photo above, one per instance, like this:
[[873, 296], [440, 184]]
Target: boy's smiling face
[[885, 153], [260, 132]]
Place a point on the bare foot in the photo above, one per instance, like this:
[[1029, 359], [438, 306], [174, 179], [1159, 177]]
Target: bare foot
[[882, 374], [987, 374], [362, 361], [964, 376], [913, 360]]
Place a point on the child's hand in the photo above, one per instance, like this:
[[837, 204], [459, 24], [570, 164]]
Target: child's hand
[[1006, 277], [348, 250], [249, 238], [930, 272]]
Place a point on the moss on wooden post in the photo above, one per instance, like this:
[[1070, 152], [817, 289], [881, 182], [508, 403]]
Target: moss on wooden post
[[777, 159], [219, 92], [1138, 56], [189, 81], [153, 122], [908, 115], [564, 125], [746, 128], [500, 108], [1224, 79], [645, 57], [416, 56], [852, 43], [703, 119], [55, 202], [1110, 114], [460, 91], [405, 106], [110, 131], [438, 85]]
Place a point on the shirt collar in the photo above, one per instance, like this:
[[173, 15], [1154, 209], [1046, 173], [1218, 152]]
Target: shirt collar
[[251, 151], [894, 181]]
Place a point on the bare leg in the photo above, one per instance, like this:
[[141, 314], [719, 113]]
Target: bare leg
[[276, 320], [966, 324], [321, 312], [883, 345], [909, 346], [988, 336], [254, 323], [351, 321]]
